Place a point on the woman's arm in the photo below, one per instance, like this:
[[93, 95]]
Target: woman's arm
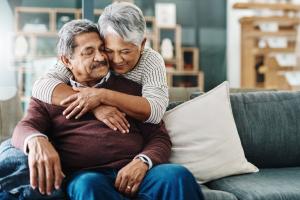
[[52, 87], [149, 107]]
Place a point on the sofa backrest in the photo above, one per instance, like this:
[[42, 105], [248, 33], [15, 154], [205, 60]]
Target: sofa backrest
[[269, 127]]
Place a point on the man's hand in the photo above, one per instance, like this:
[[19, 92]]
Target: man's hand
[[112, 117], [130, 177], [44, 165], [82, 102]]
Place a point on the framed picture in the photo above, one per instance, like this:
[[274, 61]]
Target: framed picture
[[165, 14]]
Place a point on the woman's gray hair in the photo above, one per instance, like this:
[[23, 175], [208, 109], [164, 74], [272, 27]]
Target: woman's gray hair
[[66, 35], [124, 19]]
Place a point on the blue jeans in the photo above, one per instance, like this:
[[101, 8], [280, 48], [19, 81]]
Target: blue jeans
[[14, 176], [165, 182]]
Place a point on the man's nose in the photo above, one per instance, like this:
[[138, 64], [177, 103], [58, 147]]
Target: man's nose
[[99, 56]]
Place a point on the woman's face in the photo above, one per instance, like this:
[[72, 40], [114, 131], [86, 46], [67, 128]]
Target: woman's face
[[123, 56]]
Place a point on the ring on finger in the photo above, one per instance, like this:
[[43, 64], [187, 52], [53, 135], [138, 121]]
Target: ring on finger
[[79, 106], [128, 187]]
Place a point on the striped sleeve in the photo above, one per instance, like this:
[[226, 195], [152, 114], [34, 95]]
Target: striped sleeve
[[155, 88], [44, 86]]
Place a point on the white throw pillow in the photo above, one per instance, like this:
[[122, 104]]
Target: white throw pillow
[[205, 137]]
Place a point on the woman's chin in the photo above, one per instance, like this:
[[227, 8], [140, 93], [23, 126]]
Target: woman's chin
[[120, 70]]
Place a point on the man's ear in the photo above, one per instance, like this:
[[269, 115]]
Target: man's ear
[[66, 62]]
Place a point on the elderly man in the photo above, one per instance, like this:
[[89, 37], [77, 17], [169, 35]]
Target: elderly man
[[99, 162]]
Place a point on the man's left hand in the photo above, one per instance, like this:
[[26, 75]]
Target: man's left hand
[[130, 177], [82, 102]]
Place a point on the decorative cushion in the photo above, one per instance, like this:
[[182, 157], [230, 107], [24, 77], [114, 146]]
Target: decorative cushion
[[205, 138]]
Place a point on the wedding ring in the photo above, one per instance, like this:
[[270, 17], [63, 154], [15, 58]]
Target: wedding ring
[[78, 106], [128, 187]]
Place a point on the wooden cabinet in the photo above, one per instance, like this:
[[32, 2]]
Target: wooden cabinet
[[256, 68], [183, 68]]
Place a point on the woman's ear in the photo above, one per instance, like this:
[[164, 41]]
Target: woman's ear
[[143, 44], [66, 62]]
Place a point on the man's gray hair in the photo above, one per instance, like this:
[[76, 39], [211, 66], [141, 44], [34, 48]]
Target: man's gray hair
[[124, 19], [66, 35]]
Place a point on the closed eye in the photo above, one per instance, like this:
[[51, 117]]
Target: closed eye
[[88, 51]]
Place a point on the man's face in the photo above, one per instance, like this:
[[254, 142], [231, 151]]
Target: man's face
[[88, 63], [123, 56]]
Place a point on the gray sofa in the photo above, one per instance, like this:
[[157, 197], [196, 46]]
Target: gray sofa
[[268, 126], [269, 129]]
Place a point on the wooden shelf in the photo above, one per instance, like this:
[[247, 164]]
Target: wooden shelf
[[177, 60], [269, 6], [260, 34], [152, 36], [253, 58], [37, 34], [185, 79], [190, 56], [274, 74], [281, 20]]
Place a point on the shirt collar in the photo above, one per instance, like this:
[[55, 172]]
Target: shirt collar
[[102, 81]]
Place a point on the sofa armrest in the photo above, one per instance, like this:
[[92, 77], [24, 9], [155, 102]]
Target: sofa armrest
[[10, 114]]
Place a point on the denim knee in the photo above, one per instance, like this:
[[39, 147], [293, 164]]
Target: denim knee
[[168, 182], [85, 182], [173, 172]]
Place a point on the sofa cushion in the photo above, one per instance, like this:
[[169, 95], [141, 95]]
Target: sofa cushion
[[181, 93], [205, 138], [267, 184], [210, 194], [269, 127]]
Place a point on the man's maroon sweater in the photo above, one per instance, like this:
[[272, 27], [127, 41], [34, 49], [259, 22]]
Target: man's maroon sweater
[[89, 143]]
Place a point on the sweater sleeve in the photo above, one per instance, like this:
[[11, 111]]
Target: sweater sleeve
[[155, 88], [44, 86], [36, 121], [157, 144]]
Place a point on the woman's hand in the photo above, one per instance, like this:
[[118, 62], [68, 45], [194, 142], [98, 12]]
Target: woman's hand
[[82, 102], [112, 117]]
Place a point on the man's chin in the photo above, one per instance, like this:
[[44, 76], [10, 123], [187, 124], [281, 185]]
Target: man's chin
[[101, 72]]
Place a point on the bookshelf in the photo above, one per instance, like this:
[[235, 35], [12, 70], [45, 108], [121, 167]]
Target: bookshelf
[[258, 44]]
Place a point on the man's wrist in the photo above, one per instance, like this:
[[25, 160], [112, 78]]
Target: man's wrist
[[145, 159], [31, 139]]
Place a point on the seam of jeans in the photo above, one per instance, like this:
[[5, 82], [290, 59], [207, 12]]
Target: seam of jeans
[[145, 197]]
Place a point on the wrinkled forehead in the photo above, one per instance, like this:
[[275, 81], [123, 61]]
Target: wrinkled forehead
[[85, 40]]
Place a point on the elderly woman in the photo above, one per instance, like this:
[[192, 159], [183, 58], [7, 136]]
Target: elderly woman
[[99, 164], [123, 29]]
